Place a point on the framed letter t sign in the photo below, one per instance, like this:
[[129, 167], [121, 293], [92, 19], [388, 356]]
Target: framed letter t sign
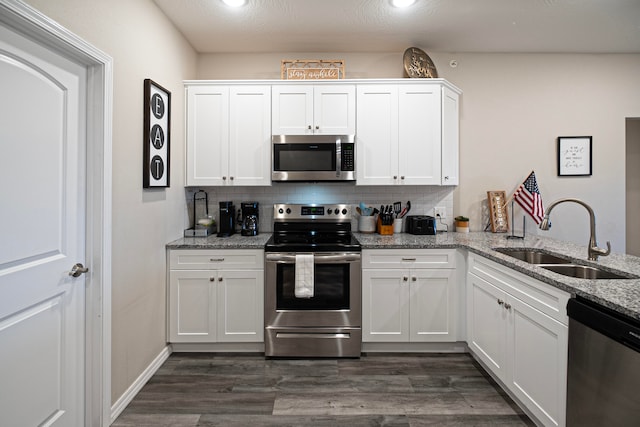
[[157, 115]]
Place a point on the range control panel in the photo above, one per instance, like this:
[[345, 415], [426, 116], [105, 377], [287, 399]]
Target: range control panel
[[311, 212]]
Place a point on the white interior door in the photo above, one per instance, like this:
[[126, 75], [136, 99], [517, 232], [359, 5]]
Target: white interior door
[[42, 229]]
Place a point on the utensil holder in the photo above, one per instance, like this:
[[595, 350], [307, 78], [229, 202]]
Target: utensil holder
[[367, 224], [397, 225]]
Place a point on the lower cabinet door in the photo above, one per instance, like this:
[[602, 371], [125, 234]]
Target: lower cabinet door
[[385, 299], [432, 305], [486, 324], [537, 350], [192, 302], [240, 310]]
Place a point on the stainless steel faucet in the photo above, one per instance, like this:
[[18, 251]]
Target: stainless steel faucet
[[594, 250]]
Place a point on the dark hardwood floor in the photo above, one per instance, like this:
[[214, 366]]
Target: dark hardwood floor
[[204, 389]]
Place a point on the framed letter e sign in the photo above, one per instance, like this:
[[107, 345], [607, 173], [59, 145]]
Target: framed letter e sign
[[157, 115]]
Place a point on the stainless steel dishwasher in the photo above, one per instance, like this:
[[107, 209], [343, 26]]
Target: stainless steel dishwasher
[[603, 380]]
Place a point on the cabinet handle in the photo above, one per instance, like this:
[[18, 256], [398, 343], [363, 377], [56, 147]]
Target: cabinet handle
[[507, 306], [413, 279], [500, 302], [231, 178], [446, 178], [317, 127], [219, 279], [395, 176], [402, 177], [309, 127], [408, 259], [224, 178], [405, 278], [212, 279], [216, 259]]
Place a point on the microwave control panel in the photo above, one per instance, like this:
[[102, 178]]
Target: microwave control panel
[[348, 156]]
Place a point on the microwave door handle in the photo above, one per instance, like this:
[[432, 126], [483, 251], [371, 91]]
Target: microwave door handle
[[317, 259], [338, 157]]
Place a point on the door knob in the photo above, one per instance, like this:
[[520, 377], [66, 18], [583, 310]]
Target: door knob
[[77, 270]]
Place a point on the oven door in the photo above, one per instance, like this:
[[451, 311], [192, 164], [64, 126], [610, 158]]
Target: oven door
[[337, 296]]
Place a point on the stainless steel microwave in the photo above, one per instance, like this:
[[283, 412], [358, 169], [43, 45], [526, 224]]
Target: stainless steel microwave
[[313, 158]]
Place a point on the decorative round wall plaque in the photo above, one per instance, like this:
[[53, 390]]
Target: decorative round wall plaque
[[418, 64]]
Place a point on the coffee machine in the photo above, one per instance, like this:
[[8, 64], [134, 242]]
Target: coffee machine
[[226, 219], [250, 218]]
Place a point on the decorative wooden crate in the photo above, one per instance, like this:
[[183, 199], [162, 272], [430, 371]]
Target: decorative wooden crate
[[312, 69]]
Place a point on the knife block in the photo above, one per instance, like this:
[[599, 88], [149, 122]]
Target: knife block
[[384, 230]]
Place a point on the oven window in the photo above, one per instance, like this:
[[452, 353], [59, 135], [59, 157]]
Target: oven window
[[304, 157], [331, 288]]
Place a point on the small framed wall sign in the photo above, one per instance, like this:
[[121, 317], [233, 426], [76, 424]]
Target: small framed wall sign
[[574, 156], [157, 121]]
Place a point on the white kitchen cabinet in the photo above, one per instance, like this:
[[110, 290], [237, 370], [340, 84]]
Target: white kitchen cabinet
[[305, 109], [216, 296], [228, 135], [407, 134], [409, 296], [517, 327]]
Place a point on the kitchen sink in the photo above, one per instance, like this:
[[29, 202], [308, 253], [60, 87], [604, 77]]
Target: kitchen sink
[[534, 256], [585, 272], [561, 265]]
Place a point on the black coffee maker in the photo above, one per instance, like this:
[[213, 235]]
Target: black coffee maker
[[226, 219], [250, 218]]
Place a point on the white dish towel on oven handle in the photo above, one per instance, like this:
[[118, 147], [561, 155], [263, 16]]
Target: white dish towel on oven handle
[[304, 276]]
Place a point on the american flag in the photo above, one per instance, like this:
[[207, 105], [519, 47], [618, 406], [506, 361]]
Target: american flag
[[528, 197]]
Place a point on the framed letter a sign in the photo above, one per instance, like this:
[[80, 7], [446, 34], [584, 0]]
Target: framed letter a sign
[[157, 114]]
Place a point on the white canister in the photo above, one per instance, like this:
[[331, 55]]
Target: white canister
[[367, 224], [397, 225]]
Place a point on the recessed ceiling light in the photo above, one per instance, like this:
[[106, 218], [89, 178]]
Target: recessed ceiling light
[[402, 3], [234, 3]]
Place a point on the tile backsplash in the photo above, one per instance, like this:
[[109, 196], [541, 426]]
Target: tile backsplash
[[423, 198]]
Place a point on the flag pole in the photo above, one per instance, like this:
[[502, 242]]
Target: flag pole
[[513, 228]]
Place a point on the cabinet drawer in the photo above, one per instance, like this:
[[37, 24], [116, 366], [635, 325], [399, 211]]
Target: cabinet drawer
[[409, 258], [539, 295], [206, 259]]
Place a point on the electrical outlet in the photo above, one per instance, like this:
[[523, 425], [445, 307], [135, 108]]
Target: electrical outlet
[[440, 211]]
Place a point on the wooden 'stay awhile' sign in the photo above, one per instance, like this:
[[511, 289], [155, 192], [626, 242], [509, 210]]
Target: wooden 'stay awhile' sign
[[312, 69]]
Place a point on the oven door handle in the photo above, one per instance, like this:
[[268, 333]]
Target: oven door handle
[[318, 258]]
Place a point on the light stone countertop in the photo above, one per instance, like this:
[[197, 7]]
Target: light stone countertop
[[235, 241], [621, 295]]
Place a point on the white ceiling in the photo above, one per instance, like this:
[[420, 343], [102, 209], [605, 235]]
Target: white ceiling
[[583, 26]]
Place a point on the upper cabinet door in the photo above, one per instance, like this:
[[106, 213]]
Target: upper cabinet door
[[228, 135], [377, 135], [207, 134], [292, 110], [420, 134], [249, 135], [313, 109], [334, 111], [450, 136]]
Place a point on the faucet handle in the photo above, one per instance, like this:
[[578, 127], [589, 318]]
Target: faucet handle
[[600, 251]]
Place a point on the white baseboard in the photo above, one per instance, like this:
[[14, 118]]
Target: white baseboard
[[134, 389], [415, 347]]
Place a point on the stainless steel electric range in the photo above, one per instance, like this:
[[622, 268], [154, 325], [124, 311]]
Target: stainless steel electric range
[[313, 283]]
